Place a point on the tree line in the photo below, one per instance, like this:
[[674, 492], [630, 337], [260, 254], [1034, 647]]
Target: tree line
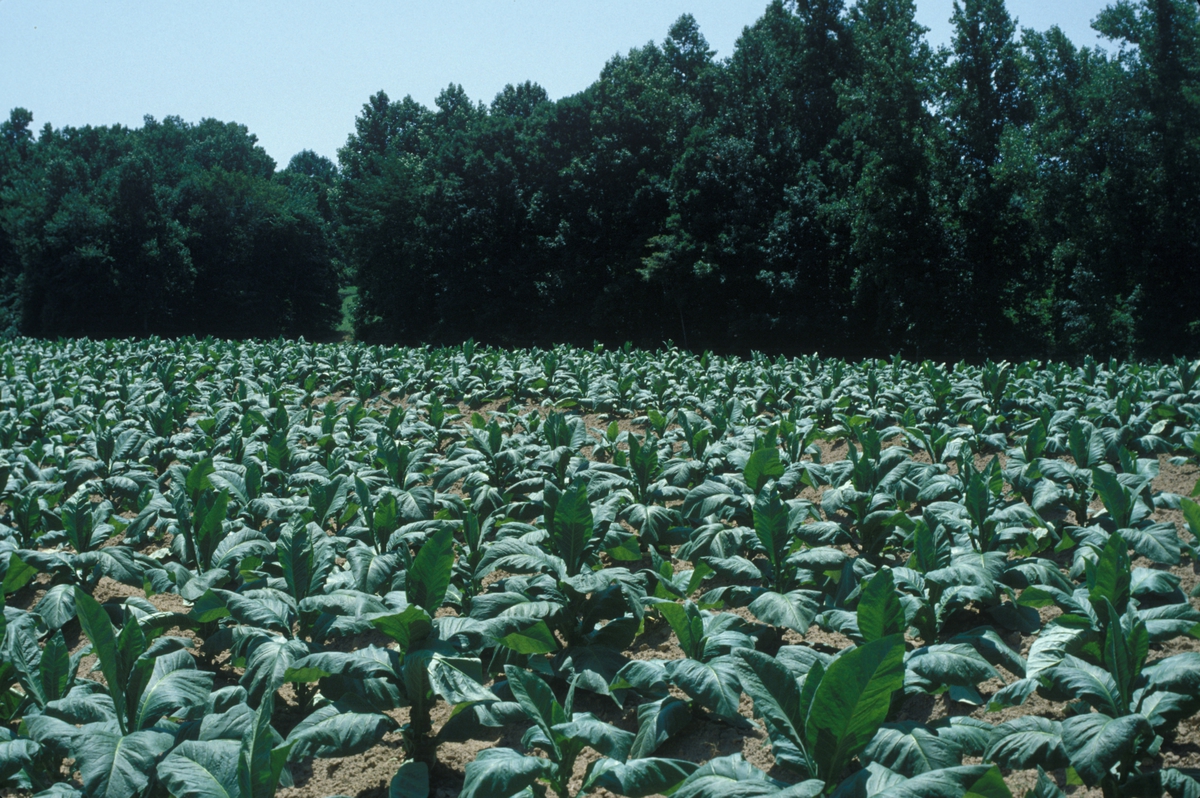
[[834, 185]]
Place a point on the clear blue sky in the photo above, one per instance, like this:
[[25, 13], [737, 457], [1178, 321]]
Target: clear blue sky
[[297, 72]]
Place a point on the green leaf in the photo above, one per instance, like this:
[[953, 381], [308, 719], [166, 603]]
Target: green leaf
[[771, 518], [879, 611], [1117, 498], [56, 671], [931, 668], [332, 731], [782, 701], [1125, 651], [571, 530], [733, 777], [1110, 577], [455, 679], [794, 610], [762, 465], [202, 769], [410, 781], [852, 702], [305, 555], [713, 683], [603, 737], [1095, 742], [638, 778], [57, 607], [405, 627], [911, 749], [1083, 681], [969, 781], [262, 762], [99, 630], [658, 721], [1045, 787], [268, 658], [989, 785], [501, 773], [429, 576], [1191, 513], [688, 626], [535, 639], [931, 548], [17, 575], [113, 765], [1027, 742], [536, 699], [175, 686]]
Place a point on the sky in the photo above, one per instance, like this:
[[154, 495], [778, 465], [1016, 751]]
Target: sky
[[297, 72]]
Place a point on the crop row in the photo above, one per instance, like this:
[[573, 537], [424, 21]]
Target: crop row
[[320, 547]]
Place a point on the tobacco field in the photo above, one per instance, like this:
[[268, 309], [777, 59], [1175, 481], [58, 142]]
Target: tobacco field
[[241, 570]]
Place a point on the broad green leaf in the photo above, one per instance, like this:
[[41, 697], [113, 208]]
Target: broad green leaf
[[932, 668], [262, 761], [175, 688], [202, 769], [638, 778], [57, 607], [658, 721], [405, 627], [1117, 498], [535, 639], [501, 773], [968, 781], [99, 629], [762, 465], [429, 576], [782, 701], [305, 556], [113, 765], [1110, 577], [794, 610], [410, 781], [536, 698], [910, 749], [1095, 742], [571, 530], [1191, 514], [17, 575], [688, 626], [603, 737], [852, 702], [1125, 651], [771, 519], [879, 612], [1045, 787], [1027, 742], [332, 731], [713, 683]]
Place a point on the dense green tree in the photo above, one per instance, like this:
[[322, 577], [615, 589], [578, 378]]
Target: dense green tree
[[1160, 92], [169, 229], [832, 184], [16, 141], [982, 102], [902, 282]]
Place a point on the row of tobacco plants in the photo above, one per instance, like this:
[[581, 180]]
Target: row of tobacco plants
[[344, 531]]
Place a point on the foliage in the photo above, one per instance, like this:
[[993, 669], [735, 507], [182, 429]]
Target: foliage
[[384, 551]]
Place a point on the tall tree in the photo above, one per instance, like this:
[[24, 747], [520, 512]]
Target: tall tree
[[889, 204], [982, 101], [1162, 76]]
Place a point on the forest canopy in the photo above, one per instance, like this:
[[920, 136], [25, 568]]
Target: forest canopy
[[834, 185]]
